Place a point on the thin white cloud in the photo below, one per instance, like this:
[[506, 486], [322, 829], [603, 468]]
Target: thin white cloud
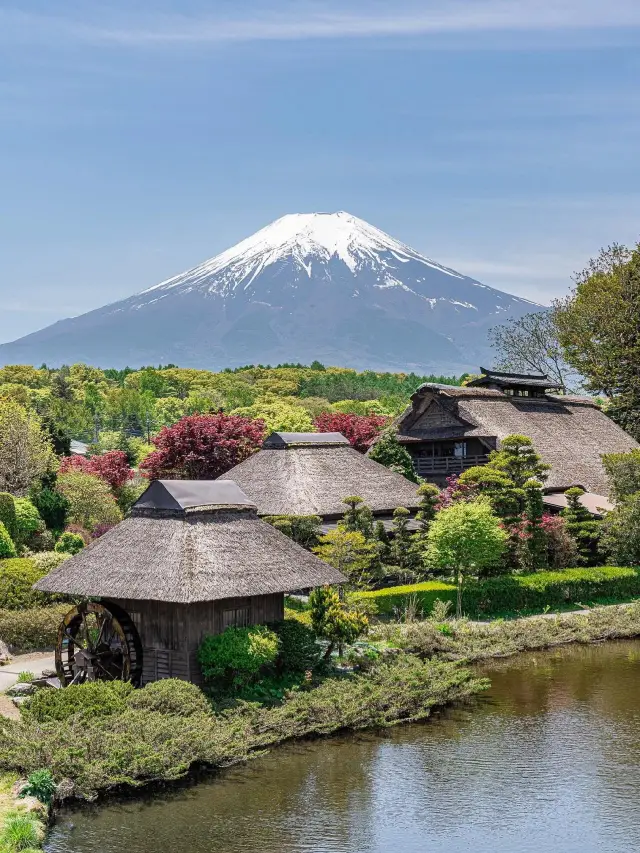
[[319, 20]]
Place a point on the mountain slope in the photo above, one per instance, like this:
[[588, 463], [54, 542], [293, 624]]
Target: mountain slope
[[308, 286]]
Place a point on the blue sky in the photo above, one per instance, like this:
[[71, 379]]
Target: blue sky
[[500, 137]]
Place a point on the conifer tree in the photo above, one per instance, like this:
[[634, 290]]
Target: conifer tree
[[582, 526]]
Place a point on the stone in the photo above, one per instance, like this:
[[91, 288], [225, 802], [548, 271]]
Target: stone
[[49, 673], [18, 700], [21, 689], [65, 789], [34, 806], [5, 657]]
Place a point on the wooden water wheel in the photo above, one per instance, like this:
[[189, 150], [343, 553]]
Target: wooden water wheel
[[98, 642]]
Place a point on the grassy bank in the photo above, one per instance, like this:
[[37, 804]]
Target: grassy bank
[[149, 736], [21, 829], [468, 642], [512, 595]]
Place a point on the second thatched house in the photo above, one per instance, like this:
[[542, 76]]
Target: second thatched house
[[191, 560], [312, 473], [448, 429]]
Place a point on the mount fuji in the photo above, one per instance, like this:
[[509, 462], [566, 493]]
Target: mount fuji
[[324, 286]]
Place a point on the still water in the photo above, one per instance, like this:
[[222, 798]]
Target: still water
[[548, 760]]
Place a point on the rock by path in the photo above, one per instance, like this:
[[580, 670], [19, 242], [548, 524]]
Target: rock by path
[[35, 663]]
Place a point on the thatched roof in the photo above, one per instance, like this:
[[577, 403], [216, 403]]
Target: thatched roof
[[184, 554], [570, 433], [314, 480]]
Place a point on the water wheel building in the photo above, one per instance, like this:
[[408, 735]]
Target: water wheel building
[[312, 473], [192, 559], [448, 429]]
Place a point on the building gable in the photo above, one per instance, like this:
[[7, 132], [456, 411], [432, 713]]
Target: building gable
[[433, 417]]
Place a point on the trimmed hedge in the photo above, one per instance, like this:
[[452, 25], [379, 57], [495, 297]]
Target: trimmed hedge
[[31, 630], [512, 593]]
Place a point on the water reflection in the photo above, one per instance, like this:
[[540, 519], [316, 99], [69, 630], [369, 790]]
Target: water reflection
[[548, 760]]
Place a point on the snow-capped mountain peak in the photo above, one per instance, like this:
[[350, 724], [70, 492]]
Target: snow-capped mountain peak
[[303, 238], [325, 286]]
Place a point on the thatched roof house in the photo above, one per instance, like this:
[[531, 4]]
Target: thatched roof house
[[311, 474], [192, 559], [448, 429]]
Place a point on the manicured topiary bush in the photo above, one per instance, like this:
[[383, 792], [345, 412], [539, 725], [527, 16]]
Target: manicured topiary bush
[[238, 654], [7, 548], [298, 649], [8, 513], [514, 593], [170, 696], [69, 543]]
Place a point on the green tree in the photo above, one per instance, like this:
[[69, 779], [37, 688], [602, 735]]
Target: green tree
[[497, 486], [623, 471], [303, 529], [599, 331], [91, 501], [388, 451], [535, 550], [465, 538], [358, 516], [403, 553], [621, 532], [333, 621], [518, 459], [530, 344], [350, 553], [25, 451], [278, 415], [584, 528]]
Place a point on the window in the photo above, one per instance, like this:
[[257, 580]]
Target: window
[[237, 617], [460, 449]]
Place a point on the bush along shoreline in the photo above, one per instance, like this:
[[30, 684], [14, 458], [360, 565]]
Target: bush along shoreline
[[102, 737]]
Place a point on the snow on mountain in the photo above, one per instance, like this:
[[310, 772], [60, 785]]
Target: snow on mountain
[[325, 286]]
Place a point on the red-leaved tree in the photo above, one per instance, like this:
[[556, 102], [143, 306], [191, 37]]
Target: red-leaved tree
[[359, 429], [202, 447], [112, 467]]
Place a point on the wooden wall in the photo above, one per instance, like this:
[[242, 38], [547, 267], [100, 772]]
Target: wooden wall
[[171, 633]]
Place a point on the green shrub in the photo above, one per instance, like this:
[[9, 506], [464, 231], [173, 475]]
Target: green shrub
[[238, 654], [17, 577], [21, 832], [8, 513], [170, 696], [515, 593], [28, 521], [93, 699], [25, 677], [47, 561], [7, 548], [298, 649], [69, 543], [302, 616], [40, 785], [33, 629], [136, 746]]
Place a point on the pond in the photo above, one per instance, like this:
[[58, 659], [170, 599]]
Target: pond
[[548, 760]]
